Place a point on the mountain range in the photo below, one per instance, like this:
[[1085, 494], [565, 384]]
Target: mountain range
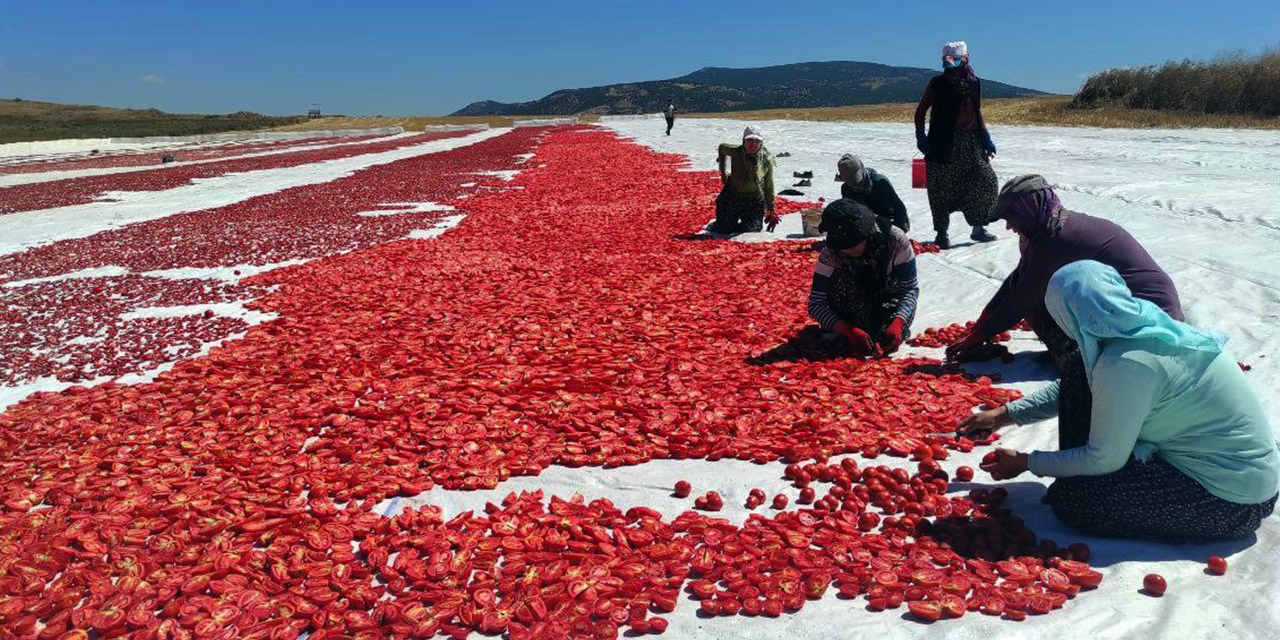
[[716, 89]]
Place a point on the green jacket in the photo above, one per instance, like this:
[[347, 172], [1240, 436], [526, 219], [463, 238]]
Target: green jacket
[[749, 176]]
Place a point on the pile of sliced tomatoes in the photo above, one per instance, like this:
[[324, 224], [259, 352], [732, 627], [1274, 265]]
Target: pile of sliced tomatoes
[[925, 247], [948, 335], [574, 319]]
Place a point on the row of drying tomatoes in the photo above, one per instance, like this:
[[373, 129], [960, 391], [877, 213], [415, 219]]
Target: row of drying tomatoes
[[153, 155], [83, 190]]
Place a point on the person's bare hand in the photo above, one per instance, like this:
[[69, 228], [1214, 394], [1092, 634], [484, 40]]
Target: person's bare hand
[[1008, 464], [983, 423]]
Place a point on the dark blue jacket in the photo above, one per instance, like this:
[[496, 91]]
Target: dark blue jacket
[[882, 199]]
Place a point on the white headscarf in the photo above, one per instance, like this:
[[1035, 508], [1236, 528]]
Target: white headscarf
[[958, 48]]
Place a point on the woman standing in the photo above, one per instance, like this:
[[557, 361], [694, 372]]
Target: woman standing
[[957, 149], [1178, 449]]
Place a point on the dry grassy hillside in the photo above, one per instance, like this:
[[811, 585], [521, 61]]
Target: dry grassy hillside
[[25, 120], [1052, 110]]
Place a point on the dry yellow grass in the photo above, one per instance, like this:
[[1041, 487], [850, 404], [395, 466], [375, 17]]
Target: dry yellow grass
[[1051, 110]]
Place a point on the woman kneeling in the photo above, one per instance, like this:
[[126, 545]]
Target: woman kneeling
[[864, 284], [1178, 449]]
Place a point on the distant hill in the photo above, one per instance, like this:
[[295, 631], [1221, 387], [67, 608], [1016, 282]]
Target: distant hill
[[715, 89], [26, 120]]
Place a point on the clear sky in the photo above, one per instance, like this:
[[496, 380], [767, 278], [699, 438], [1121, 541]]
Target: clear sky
[[433, 57]]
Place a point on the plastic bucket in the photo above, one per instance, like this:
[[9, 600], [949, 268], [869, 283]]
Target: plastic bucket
[[809, 221], [917, 174]]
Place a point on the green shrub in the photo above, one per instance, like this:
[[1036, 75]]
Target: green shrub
[[1230, 84]]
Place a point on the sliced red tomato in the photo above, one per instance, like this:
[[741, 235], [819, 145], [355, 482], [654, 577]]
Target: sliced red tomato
[[925, 610]]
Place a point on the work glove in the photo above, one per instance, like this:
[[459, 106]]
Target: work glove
[[771, 221], [922, 143], [859, 341], [988, 144], [893, 335], [972, 341]]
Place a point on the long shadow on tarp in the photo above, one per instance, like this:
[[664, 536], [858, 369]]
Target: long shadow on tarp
[[809, 345], [1025, 501], [813, 344], [800, 247], [1027, 366], [706, 235]]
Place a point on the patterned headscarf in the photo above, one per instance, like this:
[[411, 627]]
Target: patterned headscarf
[[1031, 207]]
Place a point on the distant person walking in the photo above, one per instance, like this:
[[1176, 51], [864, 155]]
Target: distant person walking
[[747, 197], [670, 114], [957, 149]]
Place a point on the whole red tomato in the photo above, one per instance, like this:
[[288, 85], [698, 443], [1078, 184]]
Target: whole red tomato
[[1154, 584], [1217, 565]]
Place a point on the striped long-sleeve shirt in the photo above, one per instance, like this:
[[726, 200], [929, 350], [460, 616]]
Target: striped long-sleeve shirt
[[901, 284]]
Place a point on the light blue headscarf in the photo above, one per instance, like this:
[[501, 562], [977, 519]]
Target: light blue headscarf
[[1092, 304]]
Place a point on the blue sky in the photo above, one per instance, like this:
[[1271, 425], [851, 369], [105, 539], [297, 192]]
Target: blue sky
[[424, 58]]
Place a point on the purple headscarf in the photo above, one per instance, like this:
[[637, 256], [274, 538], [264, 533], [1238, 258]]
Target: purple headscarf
[[1030, 207]]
